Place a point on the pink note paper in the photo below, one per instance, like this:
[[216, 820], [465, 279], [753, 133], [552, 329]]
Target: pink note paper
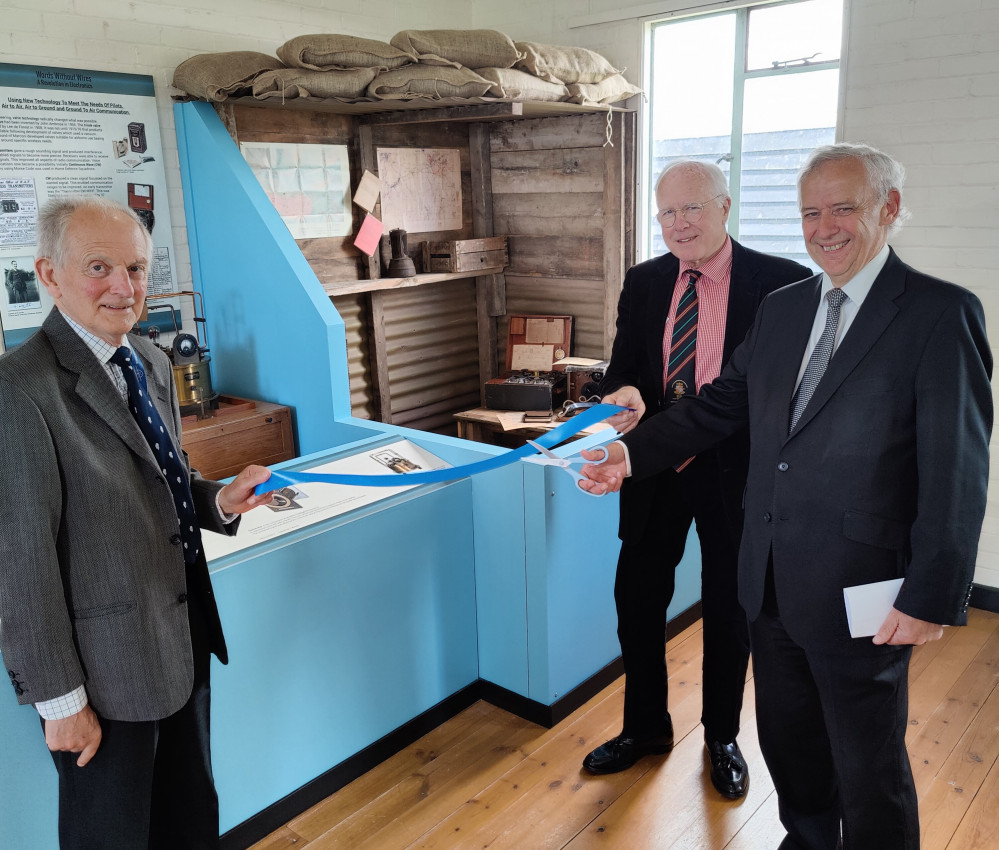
[[369, 234]]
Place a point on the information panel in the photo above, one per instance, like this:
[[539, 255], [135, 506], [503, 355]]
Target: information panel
[[65, 131]]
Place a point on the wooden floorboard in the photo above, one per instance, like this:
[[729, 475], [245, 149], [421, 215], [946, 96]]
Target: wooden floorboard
[[488, 779]]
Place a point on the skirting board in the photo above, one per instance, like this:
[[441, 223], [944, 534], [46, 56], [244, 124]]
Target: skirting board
[[276, 815], [986, 598]]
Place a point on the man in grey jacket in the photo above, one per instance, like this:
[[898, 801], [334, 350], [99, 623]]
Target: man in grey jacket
[[107, 618]]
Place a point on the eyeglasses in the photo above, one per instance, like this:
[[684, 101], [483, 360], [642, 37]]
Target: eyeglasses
[[691, 213]]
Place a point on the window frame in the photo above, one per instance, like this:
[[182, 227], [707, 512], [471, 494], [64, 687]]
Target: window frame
[[741, 74]]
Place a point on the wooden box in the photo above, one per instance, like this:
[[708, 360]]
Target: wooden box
[[241, 432], [465, 255]]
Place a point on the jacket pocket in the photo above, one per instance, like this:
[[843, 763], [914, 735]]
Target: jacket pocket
[[875, 530], [103, 611]]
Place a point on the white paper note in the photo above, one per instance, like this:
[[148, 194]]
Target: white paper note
[[867, 605]]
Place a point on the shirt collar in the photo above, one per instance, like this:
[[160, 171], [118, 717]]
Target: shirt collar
[[717, 268], [860, 284], [102, 349]]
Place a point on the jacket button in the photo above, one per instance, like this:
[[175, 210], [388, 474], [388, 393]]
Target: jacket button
[[182, 598], [175, 539], [767, 517], [782, 466]]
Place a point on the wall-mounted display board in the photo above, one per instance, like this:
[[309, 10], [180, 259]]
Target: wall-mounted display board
[[67, 131]]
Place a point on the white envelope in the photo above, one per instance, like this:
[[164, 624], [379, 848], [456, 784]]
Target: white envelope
[[867, 605]]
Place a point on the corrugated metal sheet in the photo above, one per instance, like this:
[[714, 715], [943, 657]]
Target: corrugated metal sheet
[[433, 355], [353, 311], [581, 299]]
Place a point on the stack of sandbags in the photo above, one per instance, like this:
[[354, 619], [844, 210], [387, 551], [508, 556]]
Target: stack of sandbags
[[434, 64], [329, 65]]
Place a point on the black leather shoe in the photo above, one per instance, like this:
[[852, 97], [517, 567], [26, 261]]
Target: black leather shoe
[[729, 772], [622, 752]]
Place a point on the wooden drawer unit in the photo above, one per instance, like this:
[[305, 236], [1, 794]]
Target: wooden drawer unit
[[241, 432]]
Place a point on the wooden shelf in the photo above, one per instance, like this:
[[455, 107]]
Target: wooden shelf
[[352, 287], [422, 110]]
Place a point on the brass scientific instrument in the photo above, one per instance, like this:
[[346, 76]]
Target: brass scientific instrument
[[192, 369]]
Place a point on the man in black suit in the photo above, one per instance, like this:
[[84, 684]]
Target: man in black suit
[[656, 513], [870, 469]]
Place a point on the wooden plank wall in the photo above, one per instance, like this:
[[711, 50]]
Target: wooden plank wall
[[429, 333], [560, 194], [563, 196]]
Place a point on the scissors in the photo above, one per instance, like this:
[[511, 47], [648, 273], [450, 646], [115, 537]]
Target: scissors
[[549, 458]]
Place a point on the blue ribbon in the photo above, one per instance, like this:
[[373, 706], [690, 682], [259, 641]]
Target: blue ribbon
[[567, 429]]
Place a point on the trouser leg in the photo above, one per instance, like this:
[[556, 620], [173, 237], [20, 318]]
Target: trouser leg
[[643, 590]]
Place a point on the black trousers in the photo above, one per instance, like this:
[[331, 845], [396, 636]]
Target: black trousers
[[643, 590], [150, 783], [832, 731]]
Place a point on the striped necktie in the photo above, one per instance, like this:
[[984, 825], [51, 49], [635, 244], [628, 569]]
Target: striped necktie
[[679, 377], [821, 355]]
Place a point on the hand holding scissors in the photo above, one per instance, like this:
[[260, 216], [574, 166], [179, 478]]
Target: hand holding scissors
[[549, 458]]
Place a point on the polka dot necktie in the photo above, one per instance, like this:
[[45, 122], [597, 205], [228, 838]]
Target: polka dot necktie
[[167, 457], [821, 355]]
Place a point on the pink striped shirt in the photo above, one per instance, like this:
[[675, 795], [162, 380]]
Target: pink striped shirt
[[712, 309]]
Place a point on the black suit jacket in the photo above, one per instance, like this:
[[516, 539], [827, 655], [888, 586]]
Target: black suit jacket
[[637, 358], [885, 474]]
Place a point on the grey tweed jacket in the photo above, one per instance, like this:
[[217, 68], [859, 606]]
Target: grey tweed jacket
[[92, 579]]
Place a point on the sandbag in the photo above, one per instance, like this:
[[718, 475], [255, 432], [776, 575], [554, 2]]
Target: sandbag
[[290, 83], [470, 48], [218, 76], [563, 64], [324, 52], [512, 84], [427, 81], [610, 90]]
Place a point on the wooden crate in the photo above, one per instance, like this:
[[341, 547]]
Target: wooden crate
[[241, 432], [465, 255]]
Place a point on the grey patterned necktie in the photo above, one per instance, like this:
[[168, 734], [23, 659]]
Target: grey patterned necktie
[[820, 358]]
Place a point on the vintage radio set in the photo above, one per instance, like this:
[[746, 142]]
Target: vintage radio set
[[583, 376], [535, 344]]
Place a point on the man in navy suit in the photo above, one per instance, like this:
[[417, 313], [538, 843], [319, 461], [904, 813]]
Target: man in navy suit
[[874, 469], [657, 513]]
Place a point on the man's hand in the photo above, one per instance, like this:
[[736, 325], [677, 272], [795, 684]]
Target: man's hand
[[78, 733], [604, 477], [237, 496], [899, 629], [626, 419]]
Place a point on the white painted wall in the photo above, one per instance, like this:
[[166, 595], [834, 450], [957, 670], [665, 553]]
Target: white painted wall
[[921, 82]]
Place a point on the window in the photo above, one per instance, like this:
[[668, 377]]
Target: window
[[754, 90]]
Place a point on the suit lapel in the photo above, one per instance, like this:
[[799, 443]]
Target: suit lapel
[[876, 313], [743, 299], [660, 297], [93, 386]]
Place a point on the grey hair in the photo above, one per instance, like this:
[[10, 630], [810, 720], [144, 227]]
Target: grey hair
[[883, 172], [54, 218], [709, 170]]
